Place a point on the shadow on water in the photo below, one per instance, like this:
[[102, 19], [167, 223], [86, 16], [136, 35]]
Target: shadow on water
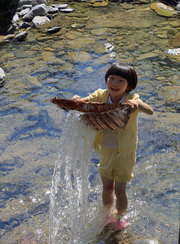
[[32, 129]]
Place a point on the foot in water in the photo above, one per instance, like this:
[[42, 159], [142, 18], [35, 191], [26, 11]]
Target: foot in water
[[109, 221], [120, 224]]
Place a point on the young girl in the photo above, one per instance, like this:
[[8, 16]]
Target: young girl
[[117, 148]]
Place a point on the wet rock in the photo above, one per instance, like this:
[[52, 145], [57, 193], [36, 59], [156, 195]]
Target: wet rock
[[9, 37], [162, 9], [39, 21], [78, 26], [53, 30], [53, 10], [21, 36], [66, 10], [2, 77]]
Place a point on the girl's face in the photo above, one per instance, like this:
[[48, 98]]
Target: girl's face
[[117, 87]]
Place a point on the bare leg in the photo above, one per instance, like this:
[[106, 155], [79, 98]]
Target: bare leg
[[107, 195], [121, 202]]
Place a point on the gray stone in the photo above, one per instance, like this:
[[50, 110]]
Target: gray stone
[[24, 12], [40, 20], [2, 77], [38, 10], [53, 30], [53, 10], [61, 6], [28, 17], [178, 7], [67, 10], [27, 6]]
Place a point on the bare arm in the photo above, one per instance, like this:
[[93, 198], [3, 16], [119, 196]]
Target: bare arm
[[77, 98], [144, 107]]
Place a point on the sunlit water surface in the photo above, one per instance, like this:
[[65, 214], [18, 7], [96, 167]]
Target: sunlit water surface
[[35, 151]]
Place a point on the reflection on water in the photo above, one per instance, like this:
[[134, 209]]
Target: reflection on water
[[45, 66]]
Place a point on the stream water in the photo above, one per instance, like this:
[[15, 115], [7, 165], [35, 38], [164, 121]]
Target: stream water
[[35, 145]]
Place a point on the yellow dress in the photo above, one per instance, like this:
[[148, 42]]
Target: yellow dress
[[117, 163]]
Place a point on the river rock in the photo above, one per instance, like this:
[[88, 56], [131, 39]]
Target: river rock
[[2, 77], [21, 36], [38, 10], [53, 10], [162, 9], [53, 30], [9, 37], [66, 10], [61, 6], [24, 12], [39, 21]]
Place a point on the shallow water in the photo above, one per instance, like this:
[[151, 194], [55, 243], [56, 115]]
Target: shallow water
[[45, 66]]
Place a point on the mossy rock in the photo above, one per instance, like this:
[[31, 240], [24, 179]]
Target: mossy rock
[[162, 9], [97, 4]]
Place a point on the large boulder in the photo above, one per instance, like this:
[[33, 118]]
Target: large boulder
[[7, 11]]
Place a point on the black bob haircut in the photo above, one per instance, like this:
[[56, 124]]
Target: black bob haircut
[[125, 71]]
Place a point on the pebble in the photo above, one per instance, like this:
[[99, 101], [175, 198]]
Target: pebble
[[67, 10], [53, 30]]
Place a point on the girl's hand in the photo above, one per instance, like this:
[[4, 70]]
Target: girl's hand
[[134, 104], [76, 98], [144, 107]]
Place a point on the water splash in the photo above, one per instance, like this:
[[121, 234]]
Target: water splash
[[70, 210]]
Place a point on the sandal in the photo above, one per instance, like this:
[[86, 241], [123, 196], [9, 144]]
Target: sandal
[[120, 224], [109, 221]]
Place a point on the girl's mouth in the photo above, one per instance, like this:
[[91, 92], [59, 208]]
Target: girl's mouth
[[114, 89]]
